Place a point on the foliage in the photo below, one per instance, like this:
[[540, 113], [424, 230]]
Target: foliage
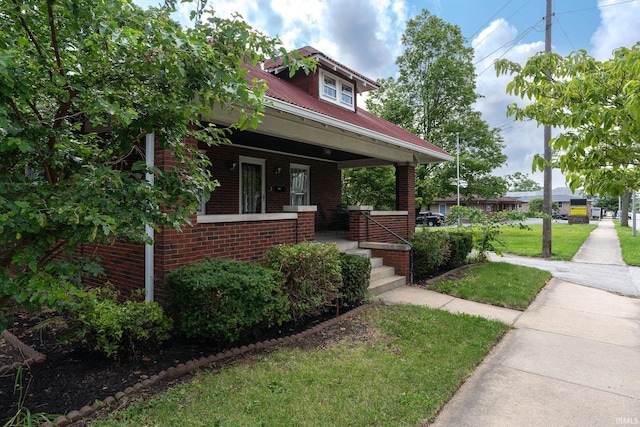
[[629, 244], [519, 181], [420, 357], [431, 250], [488, 226], [607, 203], [460, 246], [498, 283], [433, 97], [356, 275], [596, 107], [81, 84], [312, 278], [537, 205], [374, 186], [567, 240], [120, 331], [222, 299], [23, 416]]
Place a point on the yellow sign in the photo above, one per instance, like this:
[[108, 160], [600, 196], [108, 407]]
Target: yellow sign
[[578, 211]]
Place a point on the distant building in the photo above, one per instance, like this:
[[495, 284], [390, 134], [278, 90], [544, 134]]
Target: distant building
[[560, 195]]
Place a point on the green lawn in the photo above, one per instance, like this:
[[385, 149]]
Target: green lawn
[[497, 283], [630, 245], [565, 243], [403, 370]]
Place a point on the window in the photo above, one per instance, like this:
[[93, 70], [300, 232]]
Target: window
[[252, 188], [559, 204], [347, 95], [331, 86], [442, 208], [299, 185], [202, 203]]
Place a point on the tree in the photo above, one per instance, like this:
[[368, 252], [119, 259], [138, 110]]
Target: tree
[[432, 97], [607, 203], [370, 186], [521, 182], [597, 107], [81, 83], [537, 205]]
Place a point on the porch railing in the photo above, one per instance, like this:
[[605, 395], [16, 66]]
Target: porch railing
[[397, 236]]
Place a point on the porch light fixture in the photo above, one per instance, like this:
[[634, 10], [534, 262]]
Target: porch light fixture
[[278, 170], [232, 166]]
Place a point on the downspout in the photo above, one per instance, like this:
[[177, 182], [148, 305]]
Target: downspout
[[149, 250]]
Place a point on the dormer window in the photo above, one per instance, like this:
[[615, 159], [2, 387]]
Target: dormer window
[[336, 90], [330, 87], [347, 95]]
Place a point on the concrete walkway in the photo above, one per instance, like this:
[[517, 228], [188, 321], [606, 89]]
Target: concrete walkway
[[573, 357]]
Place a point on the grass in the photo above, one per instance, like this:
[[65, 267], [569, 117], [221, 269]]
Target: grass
[[566, 240], [413, 360], [630, 245], [496, 283]]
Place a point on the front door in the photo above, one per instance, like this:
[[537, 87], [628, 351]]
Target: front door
[[252, 188]]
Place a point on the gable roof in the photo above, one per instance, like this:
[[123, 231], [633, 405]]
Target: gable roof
[[292, 99], [363, 83]]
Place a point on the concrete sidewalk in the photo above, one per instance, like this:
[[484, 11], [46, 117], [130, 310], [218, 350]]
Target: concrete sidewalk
[[573, 360], [573, 357]]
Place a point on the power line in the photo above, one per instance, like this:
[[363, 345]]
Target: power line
[[557, 21], [489, 20], [593, 8], [511, 45], [505, 20]]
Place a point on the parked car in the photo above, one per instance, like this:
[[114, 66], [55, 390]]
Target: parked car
[[430, 219], [558, 215]]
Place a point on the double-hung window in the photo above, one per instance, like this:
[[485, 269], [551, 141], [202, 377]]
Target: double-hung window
[[337, 91], [299, 185]]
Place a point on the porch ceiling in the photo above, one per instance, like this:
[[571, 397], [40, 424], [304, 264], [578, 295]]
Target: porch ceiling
[[318, 136]]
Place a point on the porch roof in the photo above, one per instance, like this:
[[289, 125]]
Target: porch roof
[[359, 130]]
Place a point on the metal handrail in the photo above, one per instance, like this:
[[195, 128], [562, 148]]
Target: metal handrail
[[396, 235]]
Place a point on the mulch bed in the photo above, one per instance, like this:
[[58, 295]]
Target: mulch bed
[[76, 382]]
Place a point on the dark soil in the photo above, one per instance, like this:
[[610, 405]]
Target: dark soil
[[72, 377]]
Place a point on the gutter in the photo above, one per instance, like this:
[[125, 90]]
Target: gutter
[[327, 120]]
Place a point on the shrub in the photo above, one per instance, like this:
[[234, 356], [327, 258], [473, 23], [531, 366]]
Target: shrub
[[118, 330], [430, 251], [460, 245], [356, 272], [222, 299], [312, 278]]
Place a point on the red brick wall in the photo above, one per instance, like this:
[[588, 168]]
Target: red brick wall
[[406, 195], [308, 83], [400, 260], [325, 184], [362, 229], [123, 264]]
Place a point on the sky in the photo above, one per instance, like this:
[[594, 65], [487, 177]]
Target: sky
[[365, 35]]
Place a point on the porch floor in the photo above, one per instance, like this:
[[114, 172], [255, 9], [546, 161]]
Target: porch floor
[[341, 240]]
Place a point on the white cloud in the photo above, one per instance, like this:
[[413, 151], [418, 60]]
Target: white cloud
[[619, 27], [523, 140]]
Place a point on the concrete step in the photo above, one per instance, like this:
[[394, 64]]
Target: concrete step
[[381, 272], [365, 253], [376, 262], [386, 284]]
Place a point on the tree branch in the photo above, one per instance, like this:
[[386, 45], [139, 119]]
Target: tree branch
[[54, 39]]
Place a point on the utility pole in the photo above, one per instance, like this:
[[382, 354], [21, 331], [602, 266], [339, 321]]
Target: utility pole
[[458, 174], [547, 195]]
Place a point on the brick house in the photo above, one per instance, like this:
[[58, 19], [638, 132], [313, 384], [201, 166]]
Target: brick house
[[281, 183], [496, 204]]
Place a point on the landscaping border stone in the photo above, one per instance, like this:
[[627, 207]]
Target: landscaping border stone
[[31, 355]]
